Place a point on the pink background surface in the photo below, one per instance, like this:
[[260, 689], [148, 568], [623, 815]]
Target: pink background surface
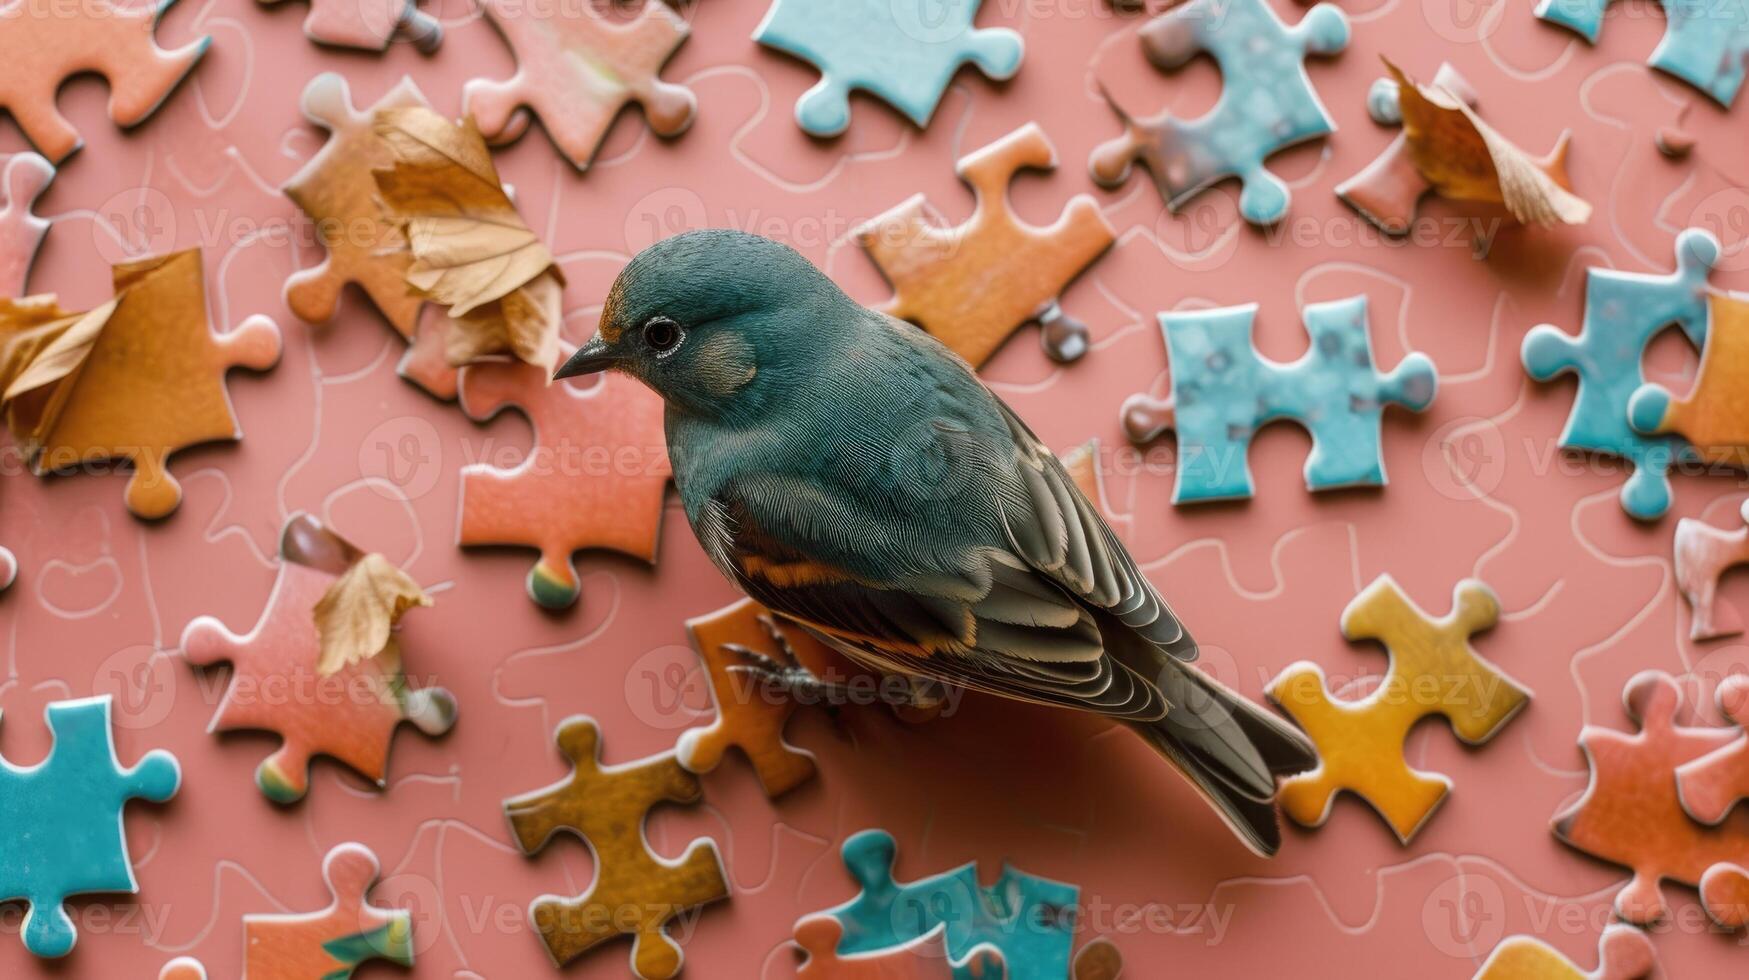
[[1478, 489]]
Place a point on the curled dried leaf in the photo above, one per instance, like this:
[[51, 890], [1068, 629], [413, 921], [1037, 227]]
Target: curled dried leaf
[[355, 615], [42, 347], [472, 252], [1465, 159]]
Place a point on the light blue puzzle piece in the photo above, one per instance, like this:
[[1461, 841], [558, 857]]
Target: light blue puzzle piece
[[1223, 391], [61, 821], [1029, 921], [1267, 103], [1706, 42], [906, 53], [1623, 312]]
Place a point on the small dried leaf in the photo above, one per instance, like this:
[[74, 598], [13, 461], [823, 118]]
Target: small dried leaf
[[472, 252], [41, 346], [355, 615], [1464, 159]]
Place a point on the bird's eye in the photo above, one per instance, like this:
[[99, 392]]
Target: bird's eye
[[662, 335]]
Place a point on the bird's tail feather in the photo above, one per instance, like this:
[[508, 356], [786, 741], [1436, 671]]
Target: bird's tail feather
[[1230, 749]]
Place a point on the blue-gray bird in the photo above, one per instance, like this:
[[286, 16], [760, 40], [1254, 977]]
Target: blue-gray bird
[[855, 476]]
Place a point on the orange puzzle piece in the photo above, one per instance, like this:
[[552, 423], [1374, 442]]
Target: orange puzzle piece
[[1632, 815], [974, 284], [749, 717], [153, 382], [596, 477], [1711, 785], [634, 892], [44, 44], [1714, 416], [183, 968], [1433, 670], [335, 940], [920, 959], [1703, 554], [576, 70], [336, 191], [1623, 953]]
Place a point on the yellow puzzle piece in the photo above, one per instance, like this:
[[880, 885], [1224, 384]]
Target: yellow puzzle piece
[[1623, 953], [1433, 671]]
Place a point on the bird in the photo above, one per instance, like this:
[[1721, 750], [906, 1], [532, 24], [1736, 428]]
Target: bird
[[854, 475]]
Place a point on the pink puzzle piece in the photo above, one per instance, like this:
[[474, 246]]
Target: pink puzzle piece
[[1711, 785], [24, 177], [576, 70], [595, 477], [1387, 191], [335, 940], [370, 24], [44, 44], [920, 959], [350, 715], [1703, 554]]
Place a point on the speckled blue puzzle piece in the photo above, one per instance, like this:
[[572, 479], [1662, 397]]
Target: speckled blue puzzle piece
[[1706, 42], [1029, 920], [906, 53], [1223, 391], [61, 822], [1266, 104], [1623, 312]]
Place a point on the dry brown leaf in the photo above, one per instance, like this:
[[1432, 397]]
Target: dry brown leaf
[[355, 615], [472, 252], [1464, 159], [41, 345]]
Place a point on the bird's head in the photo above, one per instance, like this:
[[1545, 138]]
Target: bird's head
[[712, 320]]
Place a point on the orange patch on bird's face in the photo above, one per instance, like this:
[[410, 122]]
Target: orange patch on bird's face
[[608, 326]]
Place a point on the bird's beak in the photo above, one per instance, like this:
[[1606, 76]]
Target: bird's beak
[[590, 358]]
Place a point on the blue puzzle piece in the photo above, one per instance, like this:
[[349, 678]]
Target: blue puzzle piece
[[1706, 42], [1029, 920], [1623, 312], [906, 53], [1267, 103], [61, 820], [1223, 391]]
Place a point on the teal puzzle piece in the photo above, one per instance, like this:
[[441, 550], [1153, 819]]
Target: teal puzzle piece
[[1267, 102], [61, 828], [1623, 312], [1029, 920], [1223, 391], [1706, 42], [905, 53]]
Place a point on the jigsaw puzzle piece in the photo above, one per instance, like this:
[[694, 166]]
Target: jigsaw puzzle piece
[[1267, 103], [1703, 554], [1705, 45], [336, 191], [370, 24], [336, 940], [1387, 191], [24, 176], [1623, 312], [920, 959], [1711, 785], [634, 892], [1223, 391], [183, 968], [747, 718], [350, 715], [596, 477], [1623, 953], [1631, 814], [576, 70], [903, 54], [1714, 416], [45, 44], [975, 284], [61, 821], [1433, 671]]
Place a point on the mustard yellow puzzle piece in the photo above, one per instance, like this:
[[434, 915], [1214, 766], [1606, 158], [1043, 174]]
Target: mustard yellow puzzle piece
[[1433, 671]]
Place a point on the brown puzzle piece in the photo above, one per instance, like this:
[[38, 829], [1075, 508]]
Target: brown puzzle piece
[[1433, 671], [153, 382], [1623, 953], [336, 191], [1703, 554], [1711, 785], [1631, 814], [634, 892], [974, 284], [44, 44]]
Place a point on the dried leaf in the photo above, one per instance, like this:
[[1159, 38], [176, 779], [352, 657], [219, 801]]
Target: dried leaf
[[472, 252], [355, 615], [41, 346], [1464, 159]]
